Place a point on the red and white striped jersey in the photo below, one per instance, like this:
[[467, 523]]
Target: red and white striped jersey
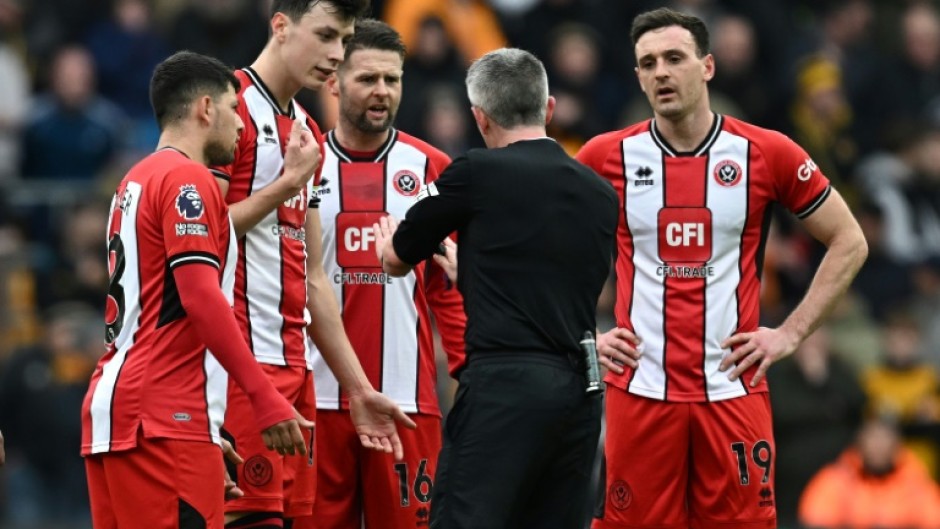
[[386, 318], [690, 246], [270, 285], [156, 372]]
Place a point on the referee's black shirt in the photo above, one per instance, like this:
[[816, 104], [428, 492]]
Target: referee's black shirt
[[535, 232]]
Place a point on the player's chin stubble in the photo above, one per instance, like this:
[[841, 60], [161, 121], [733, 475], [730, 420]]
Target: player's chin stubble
[[216, 153]]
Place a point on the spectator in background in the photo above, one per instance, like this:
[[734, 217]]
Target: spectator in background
[[905, 388], [736, 49], [821, 117], [818, 405], [916, 72], [15, 86], [581, 89], [445, 122], [41, 391], [76, 272], [470, 23], [926, 307], [72, 132], [875, 484], [230, 30], [432, 62], [126, 48], [883, 283]]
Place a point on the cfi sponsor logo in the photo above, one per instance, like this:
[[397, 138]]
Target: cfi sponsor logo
[[406, 183], [189, 204], [727, 173]]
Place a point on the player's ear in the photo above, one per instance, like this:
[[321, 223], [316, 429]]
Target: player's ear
[[204, 109], [482, 120], [549, 110], [279, 24], [332, 82]]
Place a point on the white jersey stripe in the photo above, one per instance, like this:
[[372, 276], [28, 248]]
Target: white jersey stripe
[[102, 399]]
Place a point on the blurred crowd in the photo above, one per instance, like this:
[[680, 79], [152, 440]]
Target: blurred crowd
[[855, 82]]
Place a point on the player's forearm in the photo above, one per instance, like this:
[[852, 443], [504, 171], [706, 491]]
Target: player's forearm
[[328, 334], [214, 323], [247, 213], [843, 259]]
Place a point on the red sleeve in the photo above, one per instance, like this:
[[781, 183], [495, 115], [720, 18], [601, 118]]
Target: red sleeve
[[799, 183], [443, 297], [191, 208], [214, 322]]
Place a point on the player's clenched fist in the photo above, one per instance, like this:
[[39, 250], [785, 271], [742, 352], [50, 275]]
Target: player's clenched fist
[[302, 156]]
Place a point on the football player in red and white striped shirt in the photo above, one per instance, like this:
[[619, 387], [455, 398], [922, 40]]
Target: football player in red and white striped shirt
[[689, 440], [280, 287], [151, 417], [370, 170]]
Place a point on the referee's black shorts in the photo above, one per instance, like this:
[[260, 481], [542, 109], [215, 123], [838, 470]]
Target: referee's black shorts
[[519, 445]]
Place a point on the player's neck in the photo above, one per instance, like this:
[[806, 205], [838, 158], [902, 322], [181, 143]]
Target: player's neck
[[183, 141], [353, 139], [276, 78], [685, 134]]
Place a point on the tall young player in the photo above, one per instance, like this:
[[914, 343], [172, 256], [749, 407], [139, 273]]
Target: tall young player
[[157, 397], [370, 170], [280, 285], [689, 443]]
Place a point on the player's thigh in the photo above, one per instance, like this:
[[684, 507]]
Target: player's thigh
[[733, 455], [262, 476], [166, 484], [338, 499], [397, 494], [99, 493], [300, 472], [647, 463]]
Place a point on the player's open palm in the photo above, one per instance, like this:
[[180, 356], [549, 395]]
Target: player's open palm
[[374, 416], [301, 157], [763, 347], [286, 436]]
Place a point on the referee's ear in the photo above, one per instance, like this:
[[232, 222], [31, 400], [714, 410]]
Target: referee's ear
[[484, 124], [549, 110]]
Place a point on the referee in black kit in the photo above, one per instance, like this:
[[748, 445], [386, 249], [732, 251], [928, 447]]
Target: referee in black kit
[[536, 239]]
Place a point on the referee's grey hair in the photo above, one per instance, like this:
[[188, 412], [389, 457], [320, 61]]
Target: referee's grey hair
[[511, 87]]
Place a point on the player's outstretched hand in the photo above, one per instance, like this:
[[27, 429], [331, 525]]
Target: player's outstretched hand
[[763, 345], [286, 437], [231, 488], [374, 416], [448, 260], [618, 347], [301, 158], [384, 229]]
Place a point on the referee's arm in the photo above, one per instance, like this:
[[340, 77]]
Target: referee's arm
[[443, 208]]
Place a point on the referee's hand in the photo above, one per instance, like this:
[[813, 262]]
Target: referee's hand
[[286, 437]]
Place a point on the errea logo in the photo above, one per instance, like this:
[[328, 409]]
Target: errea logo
[[806, 170]]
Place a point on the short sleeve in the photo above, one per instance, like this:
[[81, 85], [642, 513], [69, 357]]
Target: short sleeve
[[192, 212], [800, 184], [443, 207]]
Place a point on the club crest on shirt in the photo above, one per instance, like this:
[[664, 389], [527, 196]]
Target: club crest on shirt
[[727, 173], [620, 495], [188, 203], [406, 183]]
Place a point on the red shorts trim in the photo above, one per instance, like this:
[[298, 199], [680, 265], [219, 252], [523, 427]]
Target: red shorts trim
[[159, 484], [356, 484], [272, 482], [688, 464]]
